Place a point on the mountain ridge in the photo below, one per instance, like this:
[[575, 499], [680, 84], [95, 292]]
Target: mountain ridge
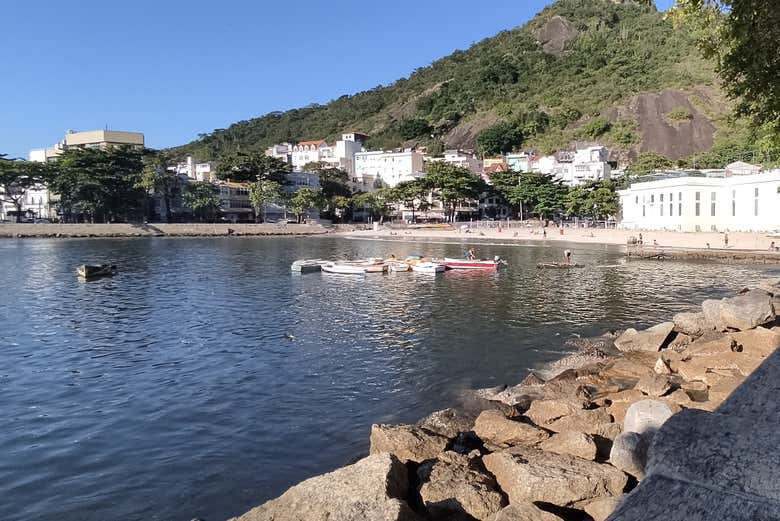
[[580, 70]]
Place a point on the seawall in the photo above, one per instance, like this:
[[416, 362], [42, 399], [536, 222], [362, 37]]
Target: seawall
[[10, 230], [710, 254]]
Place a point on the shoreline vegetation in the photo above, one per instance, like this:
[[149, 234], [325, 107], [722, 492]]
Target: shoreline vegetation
[[569, 442], [30, 231]]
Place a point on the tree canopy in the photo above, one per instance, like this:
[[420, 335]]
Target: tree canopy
[[17, 178], [247, 167], [201, 199]]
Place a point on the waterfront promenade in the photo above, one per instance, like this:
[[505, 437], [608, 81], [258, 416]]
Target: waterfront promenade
[[10, 230]]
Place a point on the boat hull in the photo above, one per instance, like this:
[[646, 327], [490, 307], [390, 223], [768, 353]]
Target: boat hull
[[307, 266], [92, 271], [428, 267], [465, 264], [341, 269]]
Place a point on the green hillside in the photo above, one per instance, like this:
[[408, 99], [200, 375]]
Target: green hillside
[[581, 70]]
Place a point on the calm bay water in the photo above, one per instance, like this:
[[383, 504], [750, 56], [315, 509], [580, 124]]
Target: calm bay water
[[206, 378]]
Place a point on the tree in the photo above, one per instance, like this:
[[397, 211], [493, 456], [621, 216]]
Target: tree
[[201, 199], [412, 194], [603, 200], [100, 184], [155, 178], [263, 192], [451, 184], [501, 138], [304, 200], [577, 201], [647, 163], [544, 195], [247, 167], [743, 36], [413, 128], [17, 178]]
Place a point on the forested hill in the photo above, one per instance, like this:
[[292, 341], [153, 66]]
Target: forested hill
[[582, 70]]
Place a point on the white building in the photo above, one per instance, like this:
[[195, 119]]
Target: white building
[[463, 160], [573, 168], [101, 139], [520, 162], [281, 151], [309, 152], [36, 204], [703, 202], [389, 168], [197, 171]]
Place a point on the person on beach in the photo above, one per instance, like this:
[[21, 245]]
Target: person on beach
[[544, 233], [640, 238], [726, 240], [567, 256], [772, 246]]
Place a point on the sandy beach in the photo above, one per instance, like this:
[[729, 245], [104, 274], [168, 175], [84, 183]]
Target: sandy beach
[[699, 240]]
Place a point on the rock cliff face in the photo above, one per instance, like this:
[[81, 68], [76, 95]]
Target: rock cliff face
[[572, 446], [555, 34]]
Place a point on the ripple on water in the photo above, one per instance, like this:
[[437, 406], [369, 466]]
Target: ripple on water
[[204, 378]]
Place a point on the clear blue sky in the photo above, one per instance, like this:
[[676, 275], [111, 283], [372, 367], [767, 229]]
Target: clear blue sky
[[176, 68]]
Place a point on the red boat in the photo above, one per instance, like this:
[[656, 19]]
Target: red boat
[[466, 264]]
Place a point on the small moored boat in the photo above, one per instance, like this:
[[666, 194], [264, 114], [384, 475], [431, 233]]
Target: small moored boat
[[398, 267], [343, 269], [428, 267], [307, 265], [91, 271], [467, 264]]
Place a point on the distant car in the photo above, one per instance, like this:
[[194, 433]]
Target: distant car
[[41, 221]]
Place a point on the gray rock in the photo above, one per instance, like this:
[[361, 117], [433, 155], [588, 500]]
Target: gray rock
[[455, 488], [629, 454], [406, 442], [373, 488], [600, 509], [524, 512], [447, 422], [693, 324], [573, 443], [494, 427], [651, 339], [544, 412], [531, 475], [646, 416], [654, 385], [746, 311]]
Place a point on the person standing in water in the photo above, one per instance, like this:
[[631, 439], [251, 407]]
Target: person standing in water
[[567, 256], [471, 254]]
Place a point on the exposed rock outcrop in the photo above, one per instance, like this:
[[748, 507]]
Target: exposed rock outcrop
[[406, 442], [651, 339], [556, 34], [494, 427]]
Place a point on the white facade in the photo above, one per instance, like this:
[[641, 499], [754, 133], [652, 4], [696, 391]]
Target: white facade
[[463, 160], [35, 204], [390, 168], [193, 170], [309, 152], [704, 203], [101, 139], [281, 151], [520, 162], [589, 164]]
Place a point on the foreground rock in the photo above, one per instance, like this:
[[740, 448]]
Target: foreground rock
[[524, 512], [531, 475], [573, 443], [646, 416], [406, 442], [494, 427], [373, 488], [650, 339], [692, 324], [448, 422], [455, 488], [750, 309], [629, 454]]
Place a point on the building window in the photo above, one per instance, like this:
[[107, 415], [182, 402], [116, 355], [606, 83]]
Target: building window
[[712, 203], [733, 203], [671, 209], [698, 204], [636, 201], [661, 198], [652, 198], [661, 206], [755, 203], [679, 209], [643, 210]]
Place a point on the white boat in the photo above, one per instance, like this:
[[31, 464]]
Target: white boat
[[344, 269], [398, 267], [307, 265], [428, 267], [466, 264]]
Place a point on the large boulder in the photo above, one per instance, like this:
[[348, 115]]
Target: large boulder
[[572, 443], [406, 442], [544, 412], [646, 416], [601, 508], [524, 512], [455, 488], [373, 488], [556, 34], [494, 427], [692, 324], [654, 385], [531, 475], [597, 422], [629, 453], [757, 342], [447, 422], [651, 339], [746, 311]]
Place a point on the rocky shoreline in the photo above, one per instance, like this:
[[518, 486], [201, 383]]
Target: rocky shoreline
[[568, 444]]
